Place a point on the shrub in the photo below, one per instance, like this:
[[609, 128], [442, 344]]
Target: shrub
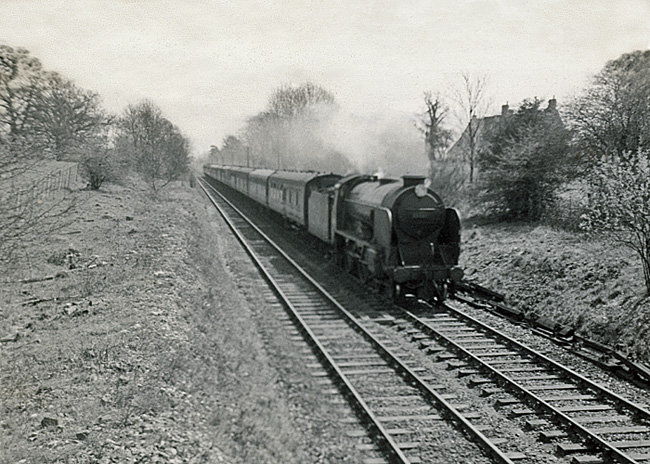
[[525, 163], [98, 168], [619, 203]]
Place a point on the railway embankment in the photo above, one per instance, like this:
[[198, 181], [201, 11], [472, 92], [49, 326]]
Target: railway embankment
[[129, 336], [588, 282]]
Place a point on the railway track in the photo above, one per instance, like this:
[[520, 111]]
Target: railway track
[[605, 357], [402, 404]]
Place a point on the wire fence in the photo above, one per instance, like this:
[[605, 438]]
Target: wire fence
[[60, 179], [37, 185]]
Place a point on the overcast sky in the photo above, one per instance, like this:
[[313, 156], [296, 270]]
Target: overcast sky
[[211, 64]]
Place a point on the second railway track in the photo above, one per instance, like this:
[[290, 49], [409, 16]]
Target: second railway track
[[559, 402]]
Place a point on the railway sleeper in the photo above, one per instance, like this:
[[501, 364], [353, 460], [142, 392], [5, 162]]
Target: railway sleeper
[[522, 412], [516, 456], [534, 424], [490, 391], [549, 435], [631, 444], [538, 377], [565, 386], [479, 381], [564, 449], [600, 419], [587, 460], [502, 402]]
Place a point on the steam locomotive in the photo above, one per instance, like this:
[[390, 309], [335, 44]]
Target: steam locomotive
[[393, 234]]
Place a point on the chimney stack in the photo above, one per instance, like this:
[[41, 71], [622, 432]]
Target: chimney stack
[[504, 109], [552, 104]]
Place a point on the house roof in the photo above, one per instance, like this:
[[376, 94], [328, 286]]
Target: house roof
[[488, 125]]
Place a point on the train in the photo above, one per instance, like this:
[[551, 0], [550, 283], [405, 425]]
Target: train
[[393, 234]]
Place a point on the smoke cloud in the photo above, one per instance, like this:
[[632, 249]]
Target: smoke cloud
[[387, 144], [325, 138]]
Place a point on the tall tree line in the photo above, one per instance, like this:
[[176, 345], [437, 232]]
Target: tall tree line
[[44, 115]]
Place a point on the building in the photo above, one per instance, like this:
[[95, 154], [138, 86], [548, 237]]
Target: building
[[487, 126], [483, 129]]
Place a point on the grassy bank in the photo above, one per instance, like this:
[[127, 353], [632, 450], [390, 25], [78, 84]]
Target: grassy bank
[[128, 337], [589, 282]]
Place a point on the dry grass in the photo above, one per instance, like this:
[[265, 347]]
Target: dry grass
[[150, 352]]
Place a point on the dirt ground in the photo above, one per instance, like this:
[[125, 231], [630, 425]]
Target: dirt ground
[[130, 336], [591, 283]]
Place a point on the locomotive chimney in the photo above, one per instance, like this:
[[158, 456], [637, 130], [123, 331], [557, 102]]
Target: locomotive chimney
[[410, 181]]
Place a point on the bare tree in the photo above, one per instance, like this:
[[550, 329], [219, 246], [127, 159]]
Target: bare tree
[[612, 116], [214, 155], [25, 178], [291, 101], [432, 125], [288, 135], [446, 175], [160, 152], [264, 134], [233, 151], [269, 138], [620, 203], [21, 81], [473, 105]]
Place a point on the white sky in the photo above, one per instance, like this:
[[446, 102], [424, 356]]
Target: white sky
[[211, 64]]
